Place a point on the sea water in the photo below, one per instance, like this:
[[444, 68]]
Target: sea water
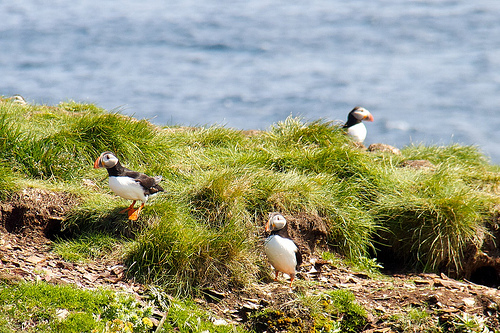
[[429, 71]]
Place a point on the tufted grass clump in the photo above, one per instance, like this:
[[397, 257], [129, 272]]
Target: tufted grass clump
[[54, 143], [430, 219], [183, 255]]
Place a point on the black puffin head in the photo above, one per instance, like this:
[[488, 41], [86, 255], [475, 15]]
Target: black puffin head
[[276, 223], [18, 99], [106, 160], [357, 115]]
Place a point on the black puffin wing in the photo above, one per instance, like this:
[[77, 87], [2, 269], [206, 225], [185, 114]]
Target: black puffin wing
[[146, 181], [150, 184], [132, 174], [298, 256]]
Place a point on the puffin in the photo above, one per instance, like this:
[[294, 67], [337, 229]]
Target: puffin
[[282, 253], [128, 184], [354, 125], [18, 99]]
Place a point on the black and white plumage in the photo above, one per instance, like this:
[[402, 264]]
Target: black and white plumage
[[354, 125], [128, 184], [282, 253]]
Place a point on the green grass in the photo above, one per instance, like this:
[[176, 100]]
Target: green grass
[[87, 247], [220, 184], [416, 320], [432, 217], [41, 307], [336, 310]]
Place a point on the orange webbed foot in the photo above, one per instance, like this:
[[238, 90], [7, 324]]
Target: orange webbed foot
[[134, 214], [128, 209]]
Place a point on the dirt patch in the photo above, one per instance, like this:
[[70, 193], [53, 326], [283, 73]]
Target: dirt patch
[[482, 265], [308, 231], [35, 211], [384, 298], [29, 221]]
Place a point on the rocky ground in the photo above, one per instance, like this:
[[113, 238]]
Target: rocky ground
[[26, 254]]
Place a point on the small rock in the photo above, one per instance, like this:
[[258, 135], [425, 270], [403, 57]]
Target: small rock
[[382, 147], [62, 314], [219, 322], [469, 301], [248, 306], [362, 275], [91, 277], [117, 270], [35, 259], [492, 306], [417, 164], [422, 282], [409, 286], [64, 265]]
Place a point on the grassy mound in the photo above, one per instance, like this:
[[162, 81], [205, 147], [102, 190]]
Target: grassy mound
[[206, 229]]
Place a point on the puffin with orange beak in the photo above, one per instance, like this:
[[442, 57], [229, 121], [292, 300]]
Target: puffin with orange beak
[[128, 184], [281, 251], [354, 125]]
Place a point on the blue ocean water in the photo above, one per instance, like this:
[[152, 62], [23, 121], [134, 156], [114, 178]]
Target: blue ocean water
[[429, 71]]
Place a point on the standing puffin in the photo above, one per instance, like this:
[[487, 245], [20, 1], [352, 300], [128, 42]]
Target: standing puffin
[[355, 128], [128, 184], [281, 251]]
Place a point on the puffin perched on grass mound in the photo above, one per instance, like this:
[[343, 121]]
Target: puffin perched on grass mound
[[281, 251], [354, 125], [128, 184]]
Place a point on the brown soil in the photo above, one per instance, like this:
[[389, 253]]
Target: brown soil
[[30, 219]]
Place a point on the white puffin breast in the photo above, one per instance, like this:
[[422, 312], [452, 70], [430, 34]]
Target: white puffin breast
[[281, 253], [357, 132], [127, 188]]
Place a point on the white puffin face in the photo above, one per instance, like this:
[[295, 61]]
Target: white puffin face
[[362, 114], [107, 160], [276, 222]]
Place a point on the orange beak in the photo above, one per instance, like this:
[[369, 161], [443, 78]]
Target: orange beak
[[268, 225], [97, 163], [369, 117]]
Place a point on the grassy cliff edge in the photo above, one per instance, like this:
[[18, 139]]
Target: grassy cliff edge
[[371, 208]]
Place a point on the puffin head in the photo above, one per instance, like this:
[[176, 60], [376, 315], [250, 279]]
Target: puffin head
[[18, 99], [361, 114], [276, 222], [106, 160]]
